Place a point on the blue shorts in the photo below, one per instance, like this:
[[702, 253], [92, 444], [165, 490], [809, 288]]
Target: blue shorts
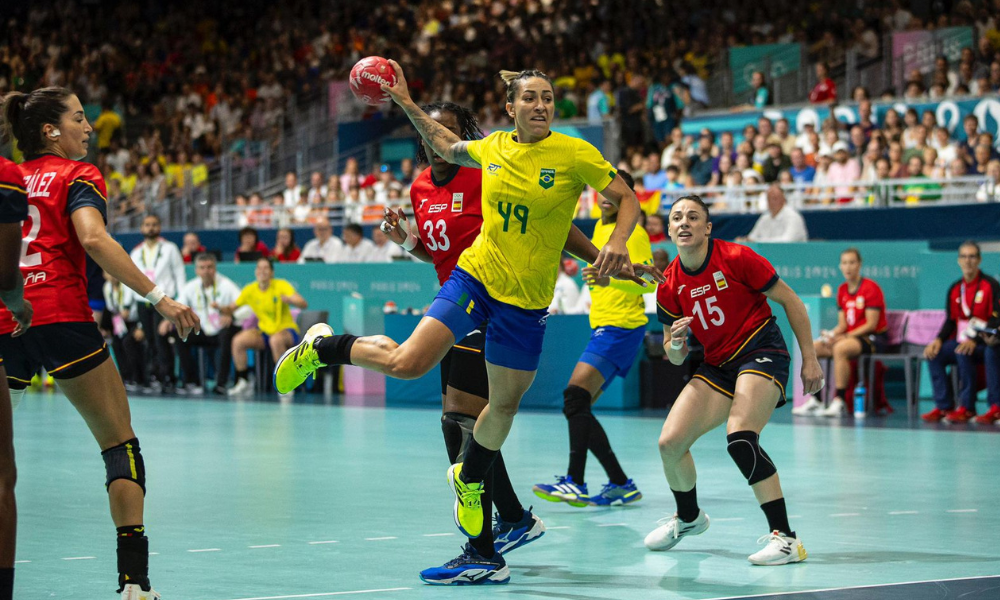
[[513, 334], [267, 338], [612, 351]]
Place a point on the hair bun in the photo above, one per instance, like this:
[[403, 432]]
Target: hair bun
[[509, 76]]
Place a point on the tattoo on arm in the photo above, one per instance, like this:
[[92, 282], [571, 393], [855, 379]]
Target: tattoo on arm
[[447, 145]]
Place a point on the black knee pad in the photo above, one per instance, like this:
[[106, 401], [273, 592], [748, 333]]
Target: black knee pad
[[124, 461], [457, 429], [576, 401], [754, 463]]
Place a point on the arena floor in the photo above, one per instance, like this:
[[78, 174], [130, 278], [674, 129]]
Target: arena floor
[[264, 501]]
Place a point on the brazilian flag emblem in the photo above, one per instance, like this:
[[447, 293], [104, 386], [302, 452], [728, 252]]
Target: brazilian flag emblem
[[547, 178]]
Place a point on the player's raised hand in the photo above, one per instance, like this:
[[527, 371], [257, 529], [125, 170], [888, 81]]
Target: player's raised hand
[[183, 318], [23, 319], [391, 225], [399, 93], [679, 330]]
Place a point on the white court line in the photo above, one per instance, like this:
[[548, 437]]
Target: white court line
[[154, 553], [846, 515], [559, 527], [80, 558], [326, 542], [388, 537], [21, 562], [905, 512], [728, 519], [437, 534], [839, 589], [326, 594], [614, 524], [266, 546], [207, 550], [957, 510]]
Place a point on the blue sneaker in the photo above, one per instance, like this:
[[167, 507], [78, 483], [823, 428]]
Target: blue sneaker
[[563, 490], [511, 536], [617, 495], [469, 568]]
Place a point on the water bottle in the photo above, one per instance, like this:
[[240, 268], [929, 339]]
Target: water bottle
[[859, 400]]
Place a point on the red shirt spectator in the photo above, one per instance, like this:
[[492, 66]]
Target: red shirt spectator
[[825, 91]]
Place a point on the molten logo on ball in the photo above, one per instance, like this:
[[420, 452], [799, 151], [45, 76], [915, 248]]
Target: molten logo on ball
[[367, 78]]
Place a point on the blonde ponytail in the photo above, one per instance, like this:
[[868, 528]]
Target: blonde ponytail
[[509, 76]]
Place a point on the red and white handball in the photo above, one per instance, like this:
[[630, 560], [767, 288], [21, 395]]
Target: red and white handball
[[367, 78]]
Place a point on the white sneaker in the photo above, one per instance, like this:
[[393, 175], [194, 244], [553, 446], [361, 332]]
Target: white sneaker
[[290, 396], [134, 592], [837, 408], [811, 407], [672, 529], [780, 550], [242, 387]]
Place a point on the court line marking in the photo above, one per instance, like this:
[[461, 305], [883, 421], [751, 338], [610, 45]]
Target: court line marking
[[207, 550], [21, 562], [846, 515], [959, 510], [558, 527], [904, 512], [326, 594], [725, 519], [154, 553], [437, 534], [837, 589], [388, 537], [80, 558], [614, 524], [266, 546], [326, 542]]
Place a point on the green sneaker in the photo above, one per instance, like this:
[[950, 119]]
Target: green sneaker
[[299, 361], [468, 508]]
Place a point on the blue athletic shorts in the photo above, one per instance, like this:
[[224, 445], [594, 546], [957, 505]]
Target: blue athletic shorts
[[513, 334], [612, 351], [267, 338]]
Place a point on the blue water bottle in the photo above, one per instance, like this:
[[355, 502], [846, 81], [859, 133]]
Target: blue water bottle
[[859, 400]]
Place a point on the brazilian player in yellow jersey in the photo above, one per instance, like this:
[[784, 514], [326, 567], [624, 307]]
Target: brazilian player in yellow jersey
[[618, 320], [538, 194]]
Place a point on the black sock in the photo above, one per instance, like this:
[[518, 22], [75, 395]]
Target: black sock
[[133, 557], [601, 448], [777, 516], [478, 461], [484, 543], [242, 374], [687, 504], [576, 402], [7, 584], [841, 393], [504, 497], [335, 349]]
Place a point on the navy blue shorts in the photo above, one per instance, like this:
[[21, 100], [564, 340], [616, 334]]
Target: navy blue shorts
[[765, 355], [513, 334], [267, 338], [612, 351], [64, 350]]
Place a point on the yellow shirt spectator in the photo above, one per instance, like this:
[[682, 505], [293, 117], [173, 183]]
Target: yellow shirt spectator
[[273, 314], [106, 125]]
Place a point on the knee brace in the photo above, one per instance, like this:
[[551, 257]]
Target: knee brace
[[457, 429], [124, 461], [754, 463], [15, 398], [576, 401]]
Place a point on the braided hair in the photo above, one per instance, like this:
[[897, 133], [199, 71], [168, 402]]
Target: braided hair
[[467, 124]]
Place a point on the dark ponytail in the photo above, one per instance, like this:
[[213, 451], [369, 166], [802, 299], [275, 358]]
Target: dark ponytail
[[23, 116]]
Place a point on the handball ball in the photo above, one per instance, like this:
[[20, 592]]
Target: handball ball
[[367, 78]]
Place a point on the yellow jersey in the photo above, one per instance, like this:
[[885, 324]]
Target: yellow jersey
[[530, 193], [273, 315], [620, 304]]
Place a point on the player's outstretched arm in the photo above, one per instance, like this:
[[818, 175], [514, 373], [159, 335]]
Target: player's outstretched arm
[[445, 143], [614, 256], [111, 257], [580, 246], [812, 373]]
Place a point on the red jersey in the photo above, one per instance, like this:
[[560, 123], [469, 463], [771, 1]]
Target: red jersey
[[449, 215], [824, 91], [53, 262], [725, 297], [13, 196], [979, 298], [868, 295]]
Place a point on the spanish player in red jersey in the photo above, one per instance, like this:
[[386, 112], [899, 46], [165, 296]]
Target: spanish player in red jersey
[[447, 206], [13, 210], [67, 213], [861, 329], [718, 292]]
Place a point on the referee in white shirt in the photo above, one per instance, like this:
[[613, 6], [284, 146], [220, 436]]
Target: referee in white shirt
[[205, 294], [781, 222], [159, 260]]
